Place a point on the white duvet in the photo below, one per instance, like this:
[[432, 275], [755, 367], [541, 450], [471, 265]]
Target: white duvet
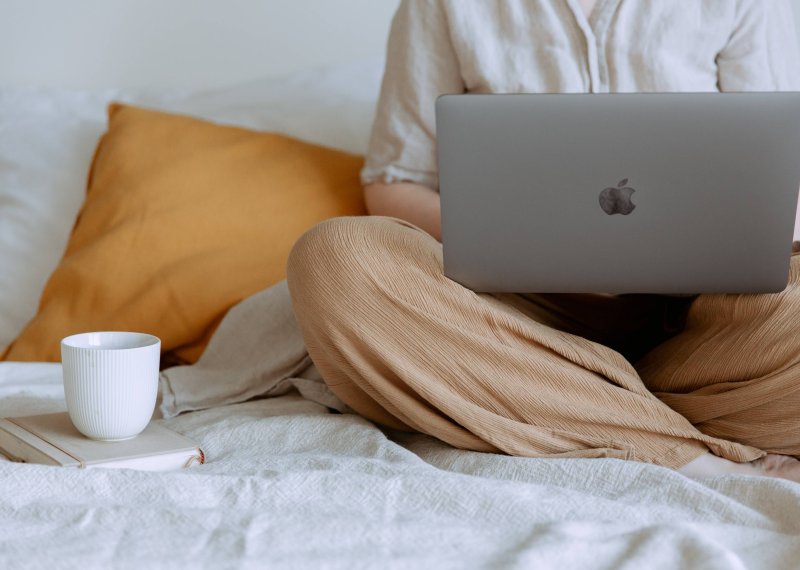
[[289, 485]]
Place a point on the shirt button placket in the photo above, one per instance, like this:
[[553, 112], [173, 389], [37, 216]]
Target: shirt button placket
[[601, 29]]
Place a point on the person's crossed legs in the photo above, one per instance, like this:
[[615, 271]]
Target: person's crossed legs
[[408, 348], [734, 371]]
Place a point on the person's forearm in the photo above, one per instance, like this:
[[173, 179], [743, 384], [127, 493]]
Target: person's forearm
[[410, 202]]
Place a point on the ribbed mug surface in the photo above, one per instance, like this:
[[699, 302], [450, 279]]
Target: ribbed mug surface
[[110, 382]]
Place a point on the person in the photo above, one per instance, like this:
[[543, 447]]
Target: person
[[707, 385]]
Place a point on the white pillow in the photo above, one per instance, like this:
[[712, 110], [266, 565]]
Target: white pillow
[[46, 143], [47, 138]]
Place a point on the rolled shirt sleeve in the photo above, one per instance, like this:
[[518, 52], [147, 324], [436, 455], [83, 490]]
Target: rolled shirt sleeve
[[420, 66]]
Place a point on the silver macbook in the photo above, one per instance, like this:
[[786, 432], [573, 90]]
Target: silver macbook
[[619, 193]]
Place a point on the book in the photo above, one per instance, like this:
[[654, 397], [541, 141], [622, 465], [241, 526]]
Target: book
[[51, 439]]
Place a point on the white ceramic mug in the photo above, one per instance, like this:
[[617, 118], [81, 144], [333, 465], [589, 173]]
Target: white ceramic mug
[[110, 382]]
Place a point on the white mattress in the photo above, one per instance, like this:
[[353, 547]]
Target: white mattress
[[288, 484]]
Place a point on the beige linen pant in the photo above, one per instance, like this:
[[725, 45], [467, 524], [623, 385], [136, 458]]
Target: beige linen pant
[[544, 375]]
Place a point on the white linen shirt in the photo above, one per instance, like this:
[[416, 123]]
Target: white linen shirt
[[550, 46]]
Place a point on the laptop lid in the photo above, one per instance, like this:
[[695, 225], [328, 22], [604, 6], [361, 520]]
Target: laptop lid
[[619, 193]]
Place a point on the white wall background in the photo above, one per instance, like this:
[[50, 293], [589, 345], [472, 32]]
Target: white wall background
[[796, 6], [185, 43], [181, 43]]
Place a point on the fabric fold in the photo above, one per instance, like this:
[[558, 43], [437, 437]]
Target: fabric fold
[[257, 351]]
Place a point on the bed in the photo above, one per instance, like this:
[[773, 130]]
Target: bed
[[289, 481]]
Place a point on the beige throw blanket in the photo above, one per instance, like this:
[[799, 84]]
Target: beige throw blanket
[[257, 351]]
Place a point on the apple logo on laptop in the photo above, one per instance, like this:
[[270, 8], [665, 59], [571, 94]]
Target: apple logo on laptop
[[617, 200]]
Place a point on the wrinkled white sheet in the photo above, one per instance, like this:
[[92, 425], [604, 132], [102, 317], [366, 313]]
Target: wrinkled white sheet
[[289, 485]]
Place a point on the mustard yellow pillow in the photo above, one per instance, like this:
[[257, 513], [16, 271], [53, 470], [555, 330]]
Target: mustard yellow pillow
[[183, 219]]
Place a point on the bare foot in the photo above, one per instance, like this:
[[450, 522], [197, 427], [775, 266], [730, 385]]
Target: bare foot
[[780, 466], [771, 465]]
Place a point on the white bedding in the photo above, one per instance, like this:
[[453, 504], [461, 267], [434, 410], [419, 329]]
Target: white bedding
[[289, 485]]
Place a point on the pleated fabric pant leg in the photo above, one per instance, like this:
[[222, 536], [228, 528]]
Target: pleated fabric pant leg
[[734, 371], [410, 349]]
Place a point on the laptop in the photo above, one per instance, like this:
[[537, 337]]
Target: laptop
[[678, 193]]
